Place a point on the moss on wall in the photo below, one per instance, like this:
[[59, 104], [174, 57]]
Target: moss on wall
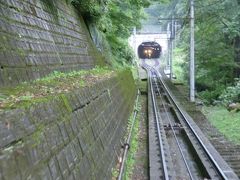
[[42, 37], [74, 134]]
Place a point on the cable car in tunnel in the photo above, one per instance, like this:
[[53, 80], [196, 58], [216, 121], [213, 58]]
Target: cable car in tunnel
[[149, 50]]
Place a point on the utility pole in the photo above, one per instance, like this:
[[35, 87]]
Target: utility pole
[[171, 47], [192, 61], [170, 29], [170, 52], [168, 43], [134, 42]]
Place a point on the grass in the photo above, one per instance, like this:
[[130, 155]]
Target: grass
[[226, 122], [55, 83], [130, 160], [134, 70], [115, 173], [129, 166]]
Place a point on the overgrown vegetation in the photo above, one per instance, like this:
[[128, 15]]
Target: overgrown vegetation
[[130, 160], [179, 65], [231, 94], [217, 59], [47, 87], [129, 166], [115, 20], [226, 122], [217, 48]]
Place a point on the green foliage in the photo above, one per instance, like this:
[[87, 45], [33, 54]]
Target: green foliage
[[90, 9], [115, 173], [97, 70], [56, 83], [115, 19], [231, 94], [50, 6], [134, 145], [179, 64], [217, 26], [227, 122], [210, 96], [120, 20]]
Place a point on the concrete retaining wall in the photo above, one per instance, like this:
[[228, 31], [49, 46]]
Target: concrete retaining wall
[[40, 36], [72, 136]]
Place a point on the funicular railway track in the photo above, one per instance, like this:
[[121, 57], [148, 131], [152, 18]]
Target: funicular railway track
[[176, 150], [227, 149]]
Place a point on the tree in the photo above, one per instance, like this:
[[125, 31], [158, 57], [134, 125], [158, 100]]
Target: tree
[[115, 19], [217, 44]]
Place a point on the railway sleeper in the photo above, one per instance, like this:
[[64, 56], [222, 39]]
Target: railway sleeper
[[176, 126], [198, 153]]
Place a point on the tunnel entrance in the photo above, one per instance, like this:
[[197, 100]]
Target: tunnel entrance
[[149, 50]]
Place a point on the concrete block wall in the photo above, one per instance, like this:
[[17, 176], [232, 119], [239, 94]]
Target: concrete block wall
[[71, 136], [40, 36]]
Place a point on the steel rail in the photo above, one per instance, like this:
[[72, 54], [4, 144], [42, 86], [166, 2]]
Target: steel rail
[[164, 164], [175, 136], [191, 128]]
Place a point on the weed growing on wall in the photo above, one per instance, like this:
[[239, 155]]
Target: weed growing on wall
[[47, 87]]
